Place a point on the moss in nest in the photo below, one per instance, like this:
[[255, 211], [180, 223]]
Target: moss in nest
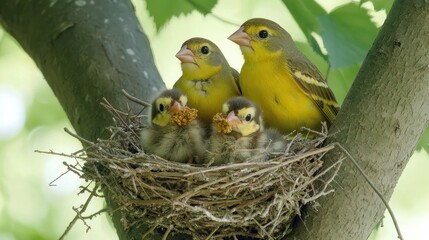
[[221, 124], [251, 199]]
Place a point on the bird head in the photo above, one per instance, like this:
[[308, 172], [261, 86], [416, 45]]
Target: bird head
[[167, 104], [261, 39], [200, 58], [243, 115]]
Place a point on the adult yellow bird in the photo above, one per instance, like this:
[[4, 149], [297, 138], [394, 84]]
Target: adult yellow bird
[[207, 79], [281, 80]]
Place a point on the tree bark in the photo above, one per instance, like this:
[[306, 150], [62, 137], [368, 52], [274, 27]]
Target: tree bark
[[86, 50], [382, 117], [92, 49]]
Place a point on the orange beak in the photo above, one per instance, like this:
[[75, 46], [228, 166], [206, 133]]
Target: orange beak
[[185, 55], [175, 107], [241, 38], [232, 119]]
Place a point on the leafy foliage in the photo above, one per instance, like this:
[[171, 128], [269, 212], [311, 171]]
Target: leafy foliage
[[163, 10], [380, 4], [306, 12], [347, 33]]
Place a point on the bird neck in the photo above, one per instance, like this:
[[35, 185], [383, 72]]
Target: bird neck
[[199, 71], [259, 54]]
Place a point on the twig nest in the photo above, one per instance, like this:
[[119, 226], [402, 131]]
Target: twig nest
[[221, 124], [251, 199], [184, 116]]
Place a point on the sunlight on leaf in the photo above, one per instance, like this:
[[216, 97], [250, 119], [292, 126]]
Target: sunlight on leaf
[[380, 4], [347, 34], [315, 58], [305, 13], [163, 10]]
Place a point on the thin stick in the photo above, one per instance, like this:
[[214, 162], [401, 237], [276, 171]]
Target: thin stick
[[392, 215], [79, 214], [78, 137], [134, 99], [150, 231], [167, 232], [95, 214], [51, 184], [118, 116]]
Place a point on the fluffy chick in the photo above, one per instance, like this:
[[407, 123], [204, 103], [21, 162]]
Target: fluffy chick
[[167, 139], [238, 135]]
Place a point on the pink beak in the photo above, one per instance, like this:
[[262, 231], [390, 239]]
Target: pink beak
[[232, 119], [185, 55], [241, 38], [175, 107]]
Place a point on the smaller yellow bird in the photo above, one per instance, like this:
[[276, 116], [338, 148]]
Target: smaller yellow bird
[[167, 139], [246, 140], [207, 79], [281, 80]]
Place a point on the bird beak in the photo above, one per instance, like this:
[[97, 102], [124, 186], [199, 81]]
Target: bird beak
[[241, 38], [232, 119], [175, 107], [185, 55]]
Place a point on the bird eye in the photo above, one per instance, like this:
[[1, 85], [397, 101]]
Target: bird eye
[[263, 34], [205, 50], [248, 117], [161, 107]]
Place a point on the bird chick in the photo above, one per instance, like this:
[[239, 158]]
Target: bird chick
[[175, 134], [238, 135]]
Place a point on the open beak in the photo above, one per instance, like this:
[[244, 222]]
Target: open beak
[[185, 55], [241, 38], [175, 107], [232, 119]]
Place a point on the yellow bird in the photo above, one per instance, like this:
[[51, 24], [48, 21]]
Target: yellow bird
[[276, 75], [168, 140], [246, 139], [207, 79]]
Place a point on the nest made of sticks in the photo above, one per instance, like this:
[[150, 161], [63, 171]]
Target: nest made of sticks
[[255, 199]]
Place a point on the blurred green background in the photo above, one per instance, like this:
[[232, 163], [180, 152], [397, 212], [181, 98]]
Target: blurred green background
[[32, 119]]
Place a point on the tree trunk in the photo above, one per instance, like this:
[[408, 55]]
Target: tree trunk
[[88, 50], [382, 117]]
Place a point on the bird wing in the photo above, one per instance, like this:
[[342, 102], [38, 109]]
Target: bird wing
[[311, 81], [236, 76]]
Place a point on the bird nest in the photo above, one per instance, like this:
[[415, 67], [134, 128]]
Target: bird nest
[[249, 199]]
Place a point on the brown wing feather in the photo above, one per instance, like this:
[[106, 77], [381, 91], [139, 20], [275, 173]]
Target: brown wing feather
[[311, 81]]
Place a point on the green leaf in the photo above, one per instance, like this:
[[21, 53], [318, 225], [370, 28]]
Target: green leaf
[[347, 34], [305, 13], [424, 141], [380, 4], [315, 58], [163, 10]]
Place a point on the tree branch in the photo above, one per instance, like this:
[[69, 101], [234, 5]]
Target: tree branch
[[379, 124], [87, 50]]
